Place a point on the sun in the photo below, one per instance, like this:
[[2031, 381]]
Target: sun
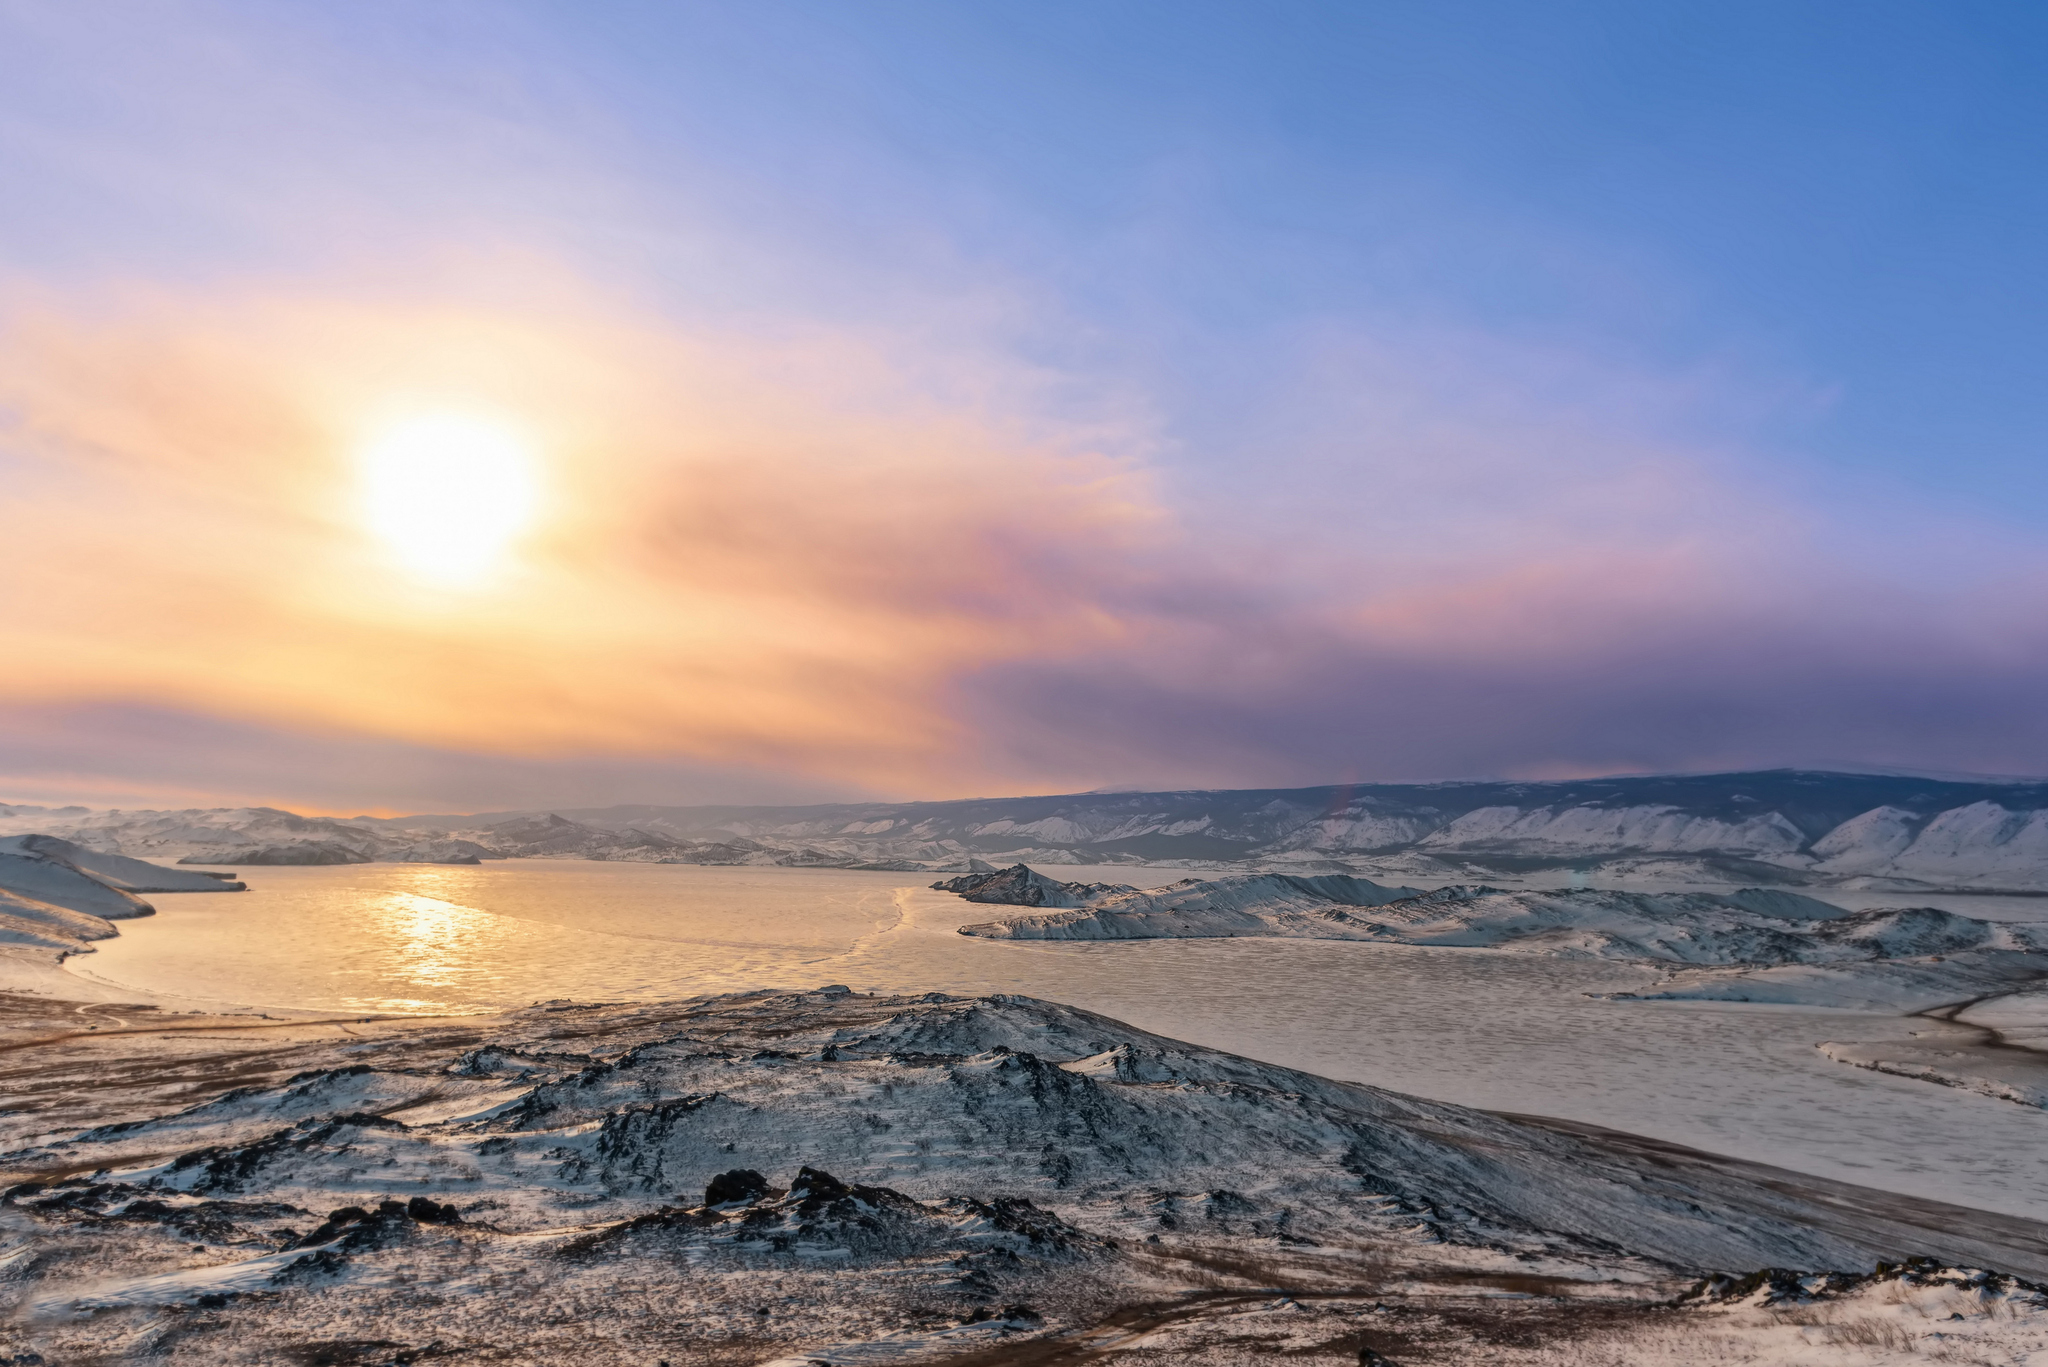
[[447, 493]]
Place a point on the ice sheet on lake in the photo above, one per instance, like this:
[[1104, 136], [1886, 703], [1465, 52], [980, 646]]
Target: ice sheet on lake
[[1752, 945]]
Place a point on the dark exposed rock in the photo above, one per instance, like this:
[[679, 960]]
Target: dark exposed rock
[[740, 1186], [391, 1222], [1016, 1215], [1021, 886], [1784, 1286], [304, 852], [668, 1218], [228, 1168], [428, 1212], [1023, 1316], [813, 1188], [819, 1210], [119, 1203]]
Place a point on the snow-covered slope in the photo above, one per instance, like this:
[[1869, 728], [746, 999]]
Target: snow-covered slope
[[116, 870], [57, 895], [828, 1176], [57, 882], [1654, 829], [160, 835], [1983, 844], [282, 853], [1734, 828], [44, 925], [1749, 926]]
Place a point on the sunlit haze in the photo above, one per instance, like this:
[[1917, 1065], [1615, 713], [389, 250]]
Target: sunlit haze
[[441, 407], [1346, 682], [448, 492]]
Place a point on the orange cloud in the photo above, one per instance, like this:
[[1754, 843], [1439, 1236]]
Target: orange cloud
[[816, 562], [764, 551]]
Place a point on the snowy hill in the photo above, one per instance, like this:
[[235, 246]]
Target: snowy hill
[[58, 895], [826, 1176], [1789, 827]]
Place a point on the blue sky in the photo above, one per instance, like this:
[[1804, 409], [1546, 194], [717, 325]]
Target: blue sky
[[1382, 300]]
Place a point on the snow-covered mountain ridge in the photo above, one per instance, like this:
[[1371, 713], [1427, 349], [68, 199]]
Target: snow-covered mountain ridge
[[1792, 827]]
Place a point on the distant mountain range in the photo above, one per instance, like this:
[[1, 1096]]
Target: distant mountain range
[[1786, 827]]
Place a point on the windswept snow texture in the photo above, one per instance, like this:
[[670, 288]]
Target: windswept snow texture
[[743, 1178], [1790, 827]]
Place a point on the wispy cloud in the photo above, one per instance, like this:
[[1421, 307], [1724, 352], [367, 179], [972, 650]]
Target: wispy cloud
[[755, 552]]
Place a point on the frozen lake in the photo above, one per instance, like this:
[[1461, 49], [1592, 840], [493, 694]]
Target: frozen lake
[[1483, 1028]]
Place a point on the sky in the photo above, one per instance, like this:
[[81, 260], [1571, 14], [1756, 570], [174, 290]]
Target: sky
[[438, 406]]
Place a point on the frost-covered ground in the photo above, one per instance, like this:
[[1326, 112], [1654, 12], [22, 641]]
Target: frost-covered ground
[[861, 1179]]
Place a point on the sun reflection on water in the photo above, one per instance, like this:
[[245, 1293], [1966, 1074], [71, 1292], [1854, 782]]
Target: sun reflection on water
[[433, 938], [430, 944]]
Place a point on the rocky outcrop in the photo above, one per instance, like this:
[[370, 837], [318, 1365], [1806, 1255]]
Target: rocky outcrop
[[299, 852], [1020, 886]]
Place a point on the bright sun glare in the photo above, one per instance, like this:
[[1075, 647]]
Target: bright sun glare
[[448, 492]]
